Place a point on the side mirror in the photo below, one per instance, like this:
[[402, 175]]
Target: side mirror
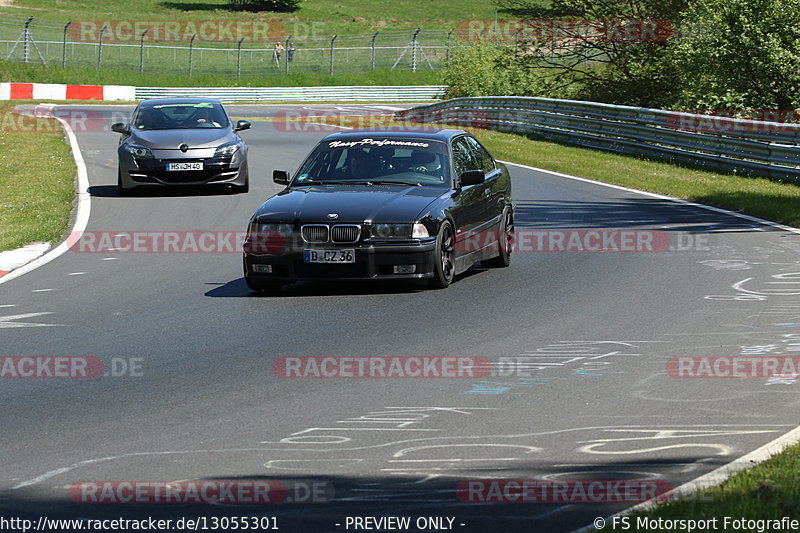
[[281, 177], [242, 125], [120, 127], [472, 177]]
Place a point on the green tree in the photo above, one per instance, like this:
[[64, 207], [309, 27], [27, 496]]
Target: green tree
[[740, 54], [615, 51]]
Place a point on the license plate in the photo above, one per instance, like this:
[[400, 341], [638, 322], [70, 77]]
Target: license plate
[[329, 256], [185, 166]]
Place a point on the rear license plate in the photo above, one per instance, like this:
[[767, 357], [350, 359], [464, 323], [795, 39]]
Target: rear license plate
[[329, 256], [185, 166]]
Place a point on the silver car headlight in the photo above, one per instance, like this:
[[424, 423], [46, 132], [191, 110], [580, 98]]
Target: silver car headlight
[[142, 152], [227, 149], [391, 231]]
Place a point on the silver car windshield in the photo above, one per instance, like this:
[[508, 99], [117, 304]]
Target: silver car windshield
[[404, 161], [201, 115]]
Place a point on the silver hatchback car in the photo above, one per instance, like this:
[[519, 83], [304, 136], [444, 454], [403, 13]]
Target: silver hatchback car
[[181, 142]]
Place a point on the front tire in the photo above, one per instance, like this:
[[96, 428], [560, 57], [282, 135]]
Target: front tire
[[444, 267], [505, 242]]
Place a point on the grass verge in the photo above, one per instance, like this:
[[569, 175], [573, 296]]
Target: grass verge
[[37, 181], [768, 491], [33, 73]]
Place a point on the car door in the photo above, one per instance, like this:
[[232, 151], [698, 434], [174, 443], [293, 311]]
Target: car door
[[493, 201], [471, 207]]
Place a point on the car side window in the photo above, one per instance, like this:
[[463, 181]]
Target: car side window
[[463, 156], [484, 160]]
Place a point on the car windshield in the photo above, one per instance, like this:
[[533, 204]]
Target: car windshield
[[377, 160], [181, 116]]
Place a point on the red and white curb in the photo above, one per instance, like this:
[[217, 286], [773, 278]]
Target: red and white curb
[[61, 91], [12, 259], [82, 209]]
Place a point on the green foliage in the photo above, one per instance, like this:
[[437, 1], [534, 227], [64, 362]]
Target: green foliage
[[484, 69], [740, 54]]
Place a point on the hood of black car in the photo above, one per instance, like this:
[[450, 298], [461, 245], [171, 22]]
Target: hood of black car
[[350, 203]]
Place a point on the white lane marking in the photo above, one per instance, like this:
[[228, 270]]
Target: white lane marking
[[8, 305], [109, 259], [76, 273], [6, 321], [761, 221], [42, 290], [83, 209]]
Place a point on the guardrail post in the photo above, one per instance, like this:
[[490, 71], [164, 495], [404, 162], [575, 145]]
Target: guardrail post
[[375, 36], [191, 49], [286, 55], [141, 50], [100, 47], [331, 66], [64, 49], [239, 58]]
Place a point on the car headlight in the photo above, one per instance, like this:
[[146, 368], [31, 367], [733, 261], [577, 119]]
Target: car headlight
[[141, 152], [266, 229], [227, 149], [391, 231]]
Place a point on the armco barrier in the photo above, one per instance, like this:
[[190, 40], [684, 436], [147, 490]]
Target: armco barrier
[[755, 147], [360, 93]]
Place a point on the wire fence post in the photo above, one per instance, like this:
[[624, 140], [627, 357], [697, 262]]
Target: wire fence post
[[373, 49], [447, 51], [100, 47], [25, 40], [414, 46], [191, 45], [331, 67], [141, 50], [516, 42], [239, 58], [286, 55], [64, 48]]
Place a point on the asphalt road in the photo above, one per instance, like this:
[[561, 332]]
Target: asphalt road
[[593, 400]]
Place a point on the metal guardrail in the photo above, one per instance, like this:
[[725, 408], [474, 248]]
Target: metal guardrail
[[360, 93], [754, 147]]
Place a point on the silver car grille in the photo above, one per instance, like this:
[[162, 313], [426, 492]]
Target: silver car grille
[[340, 233]]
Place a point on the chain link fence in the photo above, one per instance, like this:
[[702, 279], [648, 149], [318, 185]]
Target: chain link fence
[[235, 49]]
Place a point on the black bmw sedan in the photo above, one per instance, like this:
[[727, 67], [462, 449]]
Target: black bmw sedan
[[383, 204]]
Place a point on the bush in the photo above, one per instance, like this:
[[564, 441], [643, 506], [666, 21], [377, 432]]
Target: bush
[[484, 69]]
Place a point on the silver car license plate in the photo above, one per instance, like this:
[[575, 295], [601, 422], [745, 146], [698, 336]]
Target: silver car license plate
[[185, 166], [329, 256]]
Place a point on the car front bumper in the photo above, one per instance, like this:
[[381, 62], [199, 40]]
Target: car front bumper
[[372, 261], [135, 172]]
